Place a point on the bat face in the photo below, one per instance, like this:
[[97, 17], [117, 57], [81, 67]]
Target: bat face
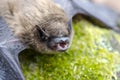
[[53, 36]]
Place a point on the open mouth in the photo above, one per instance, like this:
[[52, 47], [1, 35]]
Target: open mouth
[[60, 44]]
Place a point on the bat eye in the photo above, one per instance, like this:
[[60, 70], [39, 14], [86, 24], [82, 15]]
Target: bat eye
[[43, 36]]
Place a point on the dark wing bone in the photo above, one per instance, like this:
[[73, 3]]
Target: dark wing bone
[[10, 47], [101, 13]]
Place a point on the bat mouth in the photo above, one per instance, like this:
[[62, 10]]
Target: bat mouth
[[59, 44], [62, 46]]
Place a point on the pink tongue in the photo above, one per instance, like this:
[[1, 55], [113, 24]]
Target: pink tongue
[[63, 44]]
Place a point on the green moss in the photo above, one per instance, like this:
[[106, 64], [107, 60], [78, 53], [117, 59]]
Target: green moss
[[91, 57]]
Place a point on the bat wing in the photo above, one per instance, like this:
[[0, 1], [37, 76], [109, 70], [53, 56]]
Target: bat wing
[[10, 47], [101, 13]]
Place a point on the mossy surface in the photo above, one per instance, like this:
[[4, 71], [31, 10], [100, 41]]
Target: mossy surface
[[90, 57]]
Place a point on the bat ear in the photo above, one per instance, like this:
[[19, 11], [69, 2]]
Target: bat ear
[[70, 25]]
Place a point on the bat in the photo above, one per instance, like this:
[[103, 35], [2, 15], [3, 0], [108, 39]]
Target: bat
[[11, 46]]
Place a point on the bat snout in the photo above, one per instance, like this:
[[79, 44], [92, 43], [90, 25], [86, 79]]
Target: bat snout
[[59, 44]]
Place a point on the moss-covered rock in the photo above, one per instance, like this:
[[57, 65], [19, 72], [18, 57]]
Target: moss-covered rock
[[92, 56]]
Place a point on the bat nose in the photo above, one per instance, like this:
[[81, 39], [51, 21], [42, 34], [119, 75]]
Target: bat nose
[[62, 39], [60, 43]]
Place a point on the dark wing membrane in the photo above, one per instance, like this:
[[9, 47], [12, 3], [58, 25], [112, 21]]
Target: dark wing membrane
[[9, 68], [10, 47], [103, 14]]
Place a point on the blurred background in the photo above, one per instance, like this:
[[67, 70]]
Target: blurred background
[[114, 4]]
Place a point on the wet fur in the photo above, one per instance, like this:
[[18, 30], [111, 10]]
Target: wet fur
[[22, 17]]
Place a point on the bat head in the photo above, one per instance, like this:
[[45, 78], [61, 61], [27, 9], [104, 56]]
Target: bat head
[[53, 35]]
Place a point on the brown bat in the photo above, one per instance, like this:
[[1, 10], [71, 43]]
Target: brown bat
[[41, 25]]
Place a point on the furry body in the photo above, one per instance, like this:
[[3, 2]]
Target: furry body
[[24, 15]]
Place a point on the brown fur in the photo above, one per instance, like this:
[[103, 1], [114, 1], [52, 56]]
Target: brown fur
[[23, 16]]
